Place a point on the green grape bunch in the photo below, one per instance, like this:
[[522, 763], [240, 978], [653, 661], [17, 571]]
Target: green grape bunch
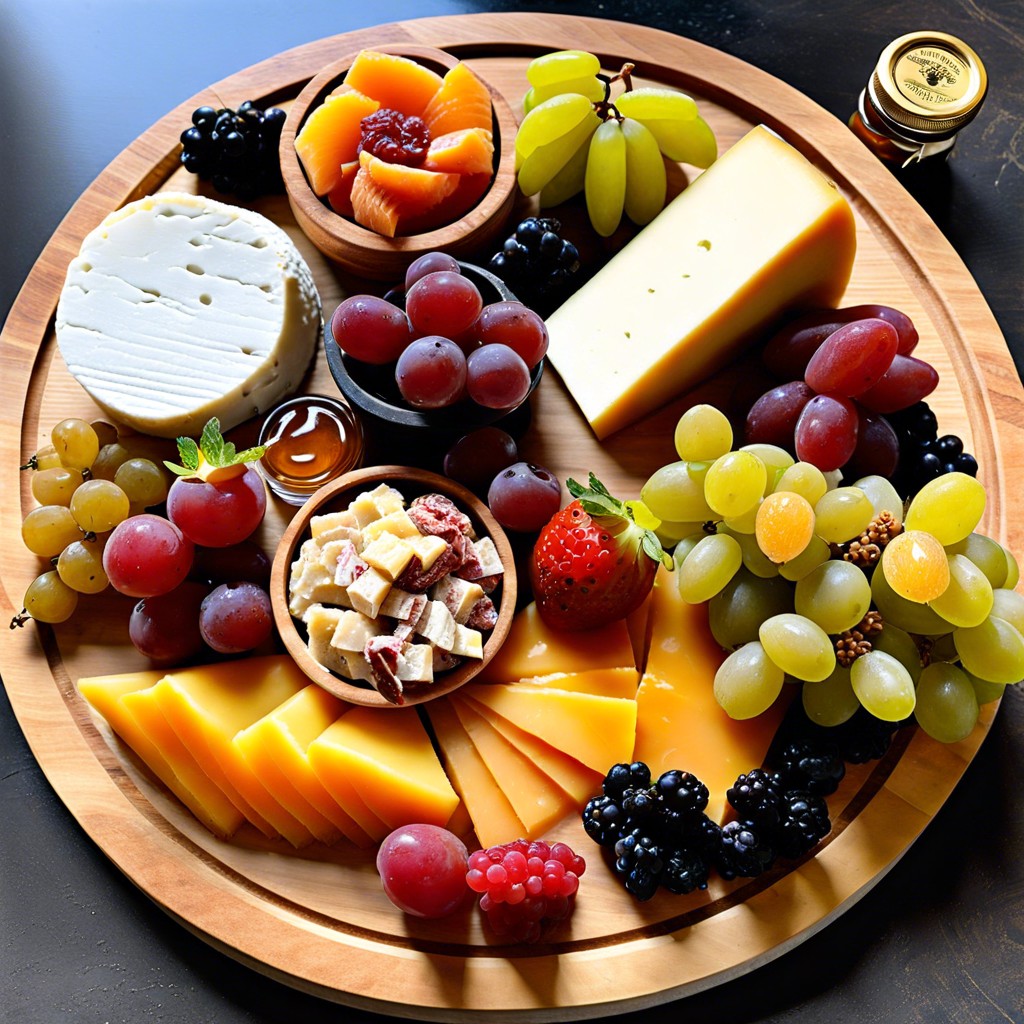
[[574, 139]]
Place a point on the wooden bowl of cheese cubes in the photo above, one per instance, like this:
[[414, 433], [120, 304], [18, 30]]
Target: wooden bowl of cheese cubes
[[392, 586]]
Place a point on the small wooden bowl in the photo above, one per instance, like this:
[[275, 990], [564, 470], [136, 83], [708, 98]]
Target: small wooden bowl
[[364, 252], [412, 483]]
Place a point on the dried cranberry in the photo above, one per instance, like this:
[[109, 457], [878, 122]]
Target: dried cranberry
[[395, 137]]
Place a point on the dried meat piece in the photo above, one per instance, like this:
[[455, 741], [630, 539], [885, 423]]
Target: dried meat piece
[[382, 654], [488, 584], [483, 615], [406, 626], [416, 579], [440, 516], [350, 566]]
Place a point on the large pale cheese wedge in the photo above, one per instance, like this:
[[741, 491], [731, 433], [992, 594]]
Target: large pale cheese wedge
[[602, 682], [388, 759], [598, 731], [576, 779], [494, 820], [207, 706], [537, 801], [217, 805], [760, 233], [275, 747], [679, 722], [158, 746], [534, 649], [178, 308]]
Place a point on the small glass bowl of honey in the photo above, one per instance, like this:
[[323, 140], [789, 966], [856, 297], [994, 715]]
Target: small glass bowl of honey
[[311, 440]]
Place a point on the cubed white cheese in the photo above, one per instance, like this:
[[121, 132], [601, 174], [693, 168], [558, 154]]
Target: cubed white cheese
[[458, 596], [437, 625], [367, 594]]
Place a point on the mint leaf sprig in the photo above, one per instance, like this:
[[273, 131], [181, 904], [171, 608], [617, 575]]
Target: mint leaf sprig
[[212, 458]]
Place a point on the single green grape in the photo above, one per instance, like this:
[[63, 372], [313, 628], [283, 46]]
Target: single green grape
[[657, 103], [55, 486], [798, 646], [561, 66], [49, 599], [748, 682], [776, 461], [836, 595], [110, 459], [909, 615], [646, 180], [947, 706], [588, 86], [968, 599], [948, 507], [883, 686], [549, 121], [49, 529], [99, 505], [735, 483], [805, 479], [682, 136], [106, 433], [675, 493], [736, 613], [985, 691], [993, 651], [900, 644], [546, 160], [569, 181], [754, 558], [986, 554], [1012, 570], [831, 701], [686, 545], [746, 523], [76, 443], [703, 434], [709, 566], [882, 495], [45, 458], [605, 180], [842, 514], [816, 552], [80, 566], [1009, 605], [143, 481]]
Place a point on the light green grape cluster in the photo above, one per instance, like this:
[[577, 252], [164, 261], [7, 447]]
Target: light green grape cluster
[[927, 624], [575, 139]]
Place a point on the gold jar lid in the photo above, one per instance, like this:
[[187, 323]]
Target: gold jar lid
[[928, 85]]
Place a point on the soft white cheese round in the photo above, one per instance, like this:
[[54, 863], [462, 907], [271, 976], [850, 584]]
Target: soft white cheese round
[[179, 308]]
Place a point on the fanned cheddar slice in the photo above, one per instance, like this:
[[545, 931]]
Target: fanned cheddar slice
[[679, 722], [534, 649], [388, 759], [574, 778], [207, 706], [602, 682], [535, 798], [598, 731], [494, 820]]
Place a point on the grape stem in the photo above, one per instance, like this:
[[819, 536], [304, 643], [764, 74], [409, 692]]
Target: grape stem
[[605, 108], [20, 619]]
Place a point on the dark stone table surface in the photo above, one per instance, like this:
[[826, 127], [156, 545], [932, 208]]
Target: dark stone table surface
[[939, 939]]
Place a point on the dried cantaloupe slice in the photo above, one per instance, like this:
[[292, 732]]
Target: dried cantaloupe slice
[[340, 197], [372, 206], [462, 101], [467, 151], [397, 83], [330, 137], [414, 188]]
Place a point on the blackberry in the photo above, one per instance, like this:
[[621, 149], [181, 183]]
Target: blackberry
[[621, 777], [811, 764], [537, 263], [744, 849], [923, 454], [639, 858], [235, 149], [755, 797], [682, 793], [685, 869], [804, 821], [603, 820]]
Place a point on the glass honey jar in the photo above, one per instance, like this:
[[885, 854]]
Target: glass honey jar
[[926, 87]]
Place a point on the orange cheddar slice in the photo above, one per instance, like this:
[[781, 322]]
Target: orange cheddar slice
[[494, 820], [579, 781], [172, 765], [209, 802], [598, 731], [276, 747], [537, 801], [388, 759], [533, 649], [207, 706], [679, 722], [602, 682]]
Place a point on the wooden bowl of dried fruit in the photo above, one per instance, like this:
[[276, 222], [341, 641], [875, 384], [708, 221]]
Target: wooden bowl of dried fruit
[[393, 586], [392, 153]]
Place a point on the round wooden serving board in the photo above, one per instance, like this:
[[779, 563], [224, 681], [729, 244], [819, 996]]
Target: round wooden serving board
[[319, 920]]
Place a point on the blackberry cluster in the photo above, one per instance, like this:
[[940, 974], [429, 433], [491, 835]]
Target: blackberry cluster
[[537, 263], [236, 150], [923, 454]]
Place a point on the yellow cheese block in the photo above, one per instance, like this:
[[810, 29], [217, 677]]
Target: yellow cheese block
[[174, 767], [537, 801], [760, 233], [599, 731], [603, 682], [574, 778], [334, 777], [276, 747], [494, 820], [207, 706], [679, 722], [534, 649], [210, 803], [389, 760]]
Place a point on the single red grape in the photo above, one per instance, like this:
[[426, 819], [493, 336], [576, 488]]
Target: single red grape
[[423, 870], [513, 324], [165, 628], [853, 358], [431, 373], [497, 377], [146, 556], [217, 515], [370, 329], [826, 432], [430, 263], [878, 447], [907, 381], [772, 418], [524, 497], [443, 303], [236, 617], [475, 458]]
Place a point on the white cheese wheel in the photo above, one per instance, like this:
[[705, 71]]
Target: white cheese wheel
[[179, 308]]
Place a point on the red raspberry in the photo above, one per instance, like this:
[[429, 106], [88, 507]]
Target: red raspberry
[[525, 885]]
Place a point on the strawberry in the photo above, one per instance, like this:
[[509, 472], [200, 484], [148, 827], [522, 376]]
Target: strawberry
[[592, 563]]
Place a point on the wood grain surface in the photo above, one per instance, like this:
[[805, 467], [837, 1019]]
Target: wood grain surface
[[287, 915]]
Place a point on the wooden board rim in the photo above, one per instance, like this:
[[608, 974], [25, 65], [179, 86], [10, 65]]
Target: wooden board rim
[[85, 783]]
